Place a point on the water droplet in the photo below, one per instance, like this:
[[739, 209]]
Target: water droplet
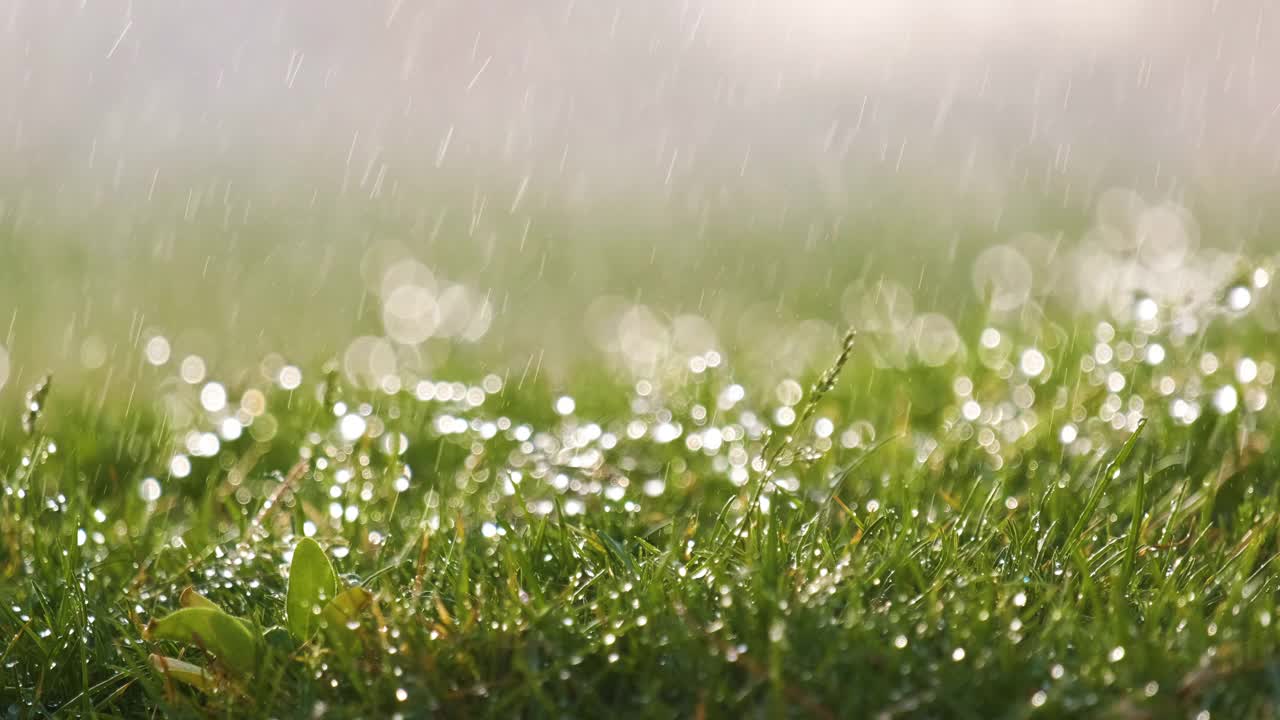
[[352, 427], [1032, 362], [213, 397], [157, 350], [149, 489], [1225, 399], [1155, 354], [180, 466], [192, 369], [565, 405], [1145, 309], [1239, 298]]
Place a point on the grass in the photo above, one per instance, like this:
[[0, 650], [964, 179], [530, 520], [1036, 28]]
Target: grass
[[974, 539]]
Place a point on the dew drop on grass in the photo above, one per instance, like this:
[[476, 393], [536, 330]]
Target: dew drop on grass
[[565, 405], [1032, 362], [1116, 654], [213, 397], [1145, 309], [192, 369], [230, 429], [149, 490], [180, 466], [1239, 298], [1225, 399], [823, 427], [157, 350], [290, 377], [1246, 370], [352, 427]]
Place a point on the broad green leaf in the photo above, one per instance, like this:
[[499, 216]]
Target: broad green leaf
[[341, 612], [348, 604], [312, 584], [190, 598], [279, 639], [227, 637], [183, 672]]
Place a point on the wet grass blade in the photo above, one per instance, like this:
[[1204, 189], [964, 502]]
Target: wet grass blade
[[1099, 489]]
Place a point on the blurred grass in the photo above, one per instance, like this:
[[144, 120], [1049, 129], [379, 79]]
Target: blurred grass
[[234, 282]]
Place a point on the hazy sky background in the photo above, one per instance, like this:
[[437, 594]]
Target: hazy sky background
[[575, 101], [237, 174]]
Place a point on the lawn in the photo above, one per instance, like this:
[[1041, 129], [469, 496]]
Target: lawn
[[1052, 514]]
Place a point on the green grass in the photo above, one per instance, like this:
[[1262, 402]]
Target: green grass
[[911, 562]]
